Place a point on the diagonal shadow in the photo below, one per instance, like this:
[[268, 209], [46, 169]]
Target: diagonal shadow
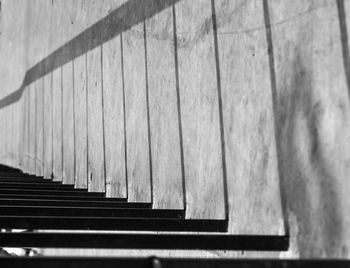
[[118, 21]]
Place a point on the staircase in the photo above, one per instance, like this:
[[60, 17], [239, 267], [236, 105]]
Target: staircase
[[36, 204]]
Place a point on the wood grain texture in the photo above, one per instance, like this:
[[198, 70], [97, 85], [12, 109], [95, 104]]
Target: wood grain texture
[[32, 128], [164, 122], [22, 130], [68, 123], [250, 146], [39, 127], [26, 134], [80, 123], [114, 119], [96, 164], [138, 162], [200, 111], [57, 124], [48, 108], [313, 123]]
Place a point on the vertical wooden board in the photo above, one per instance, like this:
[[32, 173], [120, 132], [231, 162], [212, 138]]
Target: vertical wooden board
[[96, 165], [10, 131], [114, 119], [313, 122], [39, 126], [138, 162], [205, 196], [250, 146], [331, 80], [68, 123], [22, 129], [2, 137], [27, 122], [47, 130], [80, 122], [163, 108], [57, 124], [32, 127], [16, 132]]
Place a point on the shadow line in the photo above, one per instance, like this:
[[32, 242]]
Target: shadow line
[[118, 21], [344, 41], [270, 52]]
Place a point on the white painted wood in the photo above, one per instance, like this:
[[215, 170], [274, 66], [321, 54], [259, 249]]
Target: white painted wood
[[39, 127], [200, 111], [80, 123], [96, 165], [250, 145], [68, 123], [57, 124], [114, 119], [32, 127], [26, 134], [47, 133], [163, 107], [138, 162]]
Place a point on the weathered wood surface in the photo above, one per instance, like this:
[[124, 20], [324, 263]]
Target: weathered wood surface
[[96, 164], [47, 133], [39, 127], [26, 134], [250, 147], [80, 122], [32, 127], [57, 124], [205, 196], [313, 123], [307, 110], [163, 112], [137, 139], [68, 123], [114, 131]]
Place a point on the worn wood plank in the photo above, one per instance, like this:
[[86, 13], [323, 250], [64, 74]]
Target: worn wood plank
[[39, 127], [68, 123], [113, 95], [252, 171], [138, 162], [26, 134], [80, 123], [57, 124], [3, 137], [163, 108], [22, 129], [200, 111], [96, 164], [32, 127], [48, 116], [313, 121]]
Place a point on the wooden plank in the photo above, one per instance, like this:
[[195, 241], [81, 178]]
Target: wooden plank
[[314, 122], [200, 111], [113, 96], [68, 123], [48, 108], [2, 140], [32, 127], [250, 146], [22, 129], [57, 124], [80, 122], [96, 165], [138, 162], [163, 108], [39, 127], [26, 135]]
